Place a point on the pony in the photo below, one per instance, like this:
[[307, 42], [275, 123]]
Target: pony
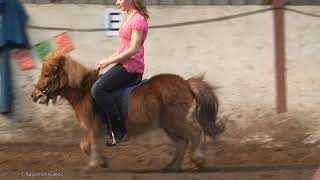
[[185, 109]]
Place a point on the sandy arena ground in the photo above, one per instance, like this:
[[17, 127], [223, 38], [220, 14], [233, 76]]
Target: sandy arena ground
[[133, 160]]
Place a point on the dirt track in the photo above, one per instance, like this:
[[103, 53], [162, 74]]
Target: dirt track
[[129, 160]]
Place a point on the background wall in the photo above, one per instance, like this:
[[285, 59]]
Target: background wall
[[182, 2], [235, 55]]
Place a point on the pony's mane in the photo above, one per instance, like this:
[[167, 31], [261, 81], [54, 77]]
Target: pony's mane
[[79, 76]]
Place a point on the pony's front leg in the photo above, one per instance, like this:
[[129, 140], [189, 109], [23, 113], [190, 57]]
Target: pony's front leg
[[96, 148], [85, 143], [92, 144]]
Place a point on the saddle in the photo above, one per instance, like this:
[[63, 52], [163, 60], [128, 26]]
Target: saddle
[[120, 108]]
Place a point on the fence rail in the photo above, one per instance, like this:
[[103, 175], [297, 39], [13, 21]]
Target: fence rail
[[179, 2], [180, 23]]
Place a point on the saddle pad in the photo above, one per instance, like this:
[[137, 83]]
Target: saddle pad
[[122, 98]]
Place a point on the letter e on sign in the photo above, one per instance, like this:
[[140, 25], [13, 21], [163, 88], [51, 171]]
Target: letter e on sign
[[113, 18]]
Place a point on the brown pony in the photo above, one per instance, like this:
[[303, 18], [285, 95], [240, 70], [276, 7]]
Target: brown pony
[[184, 109]]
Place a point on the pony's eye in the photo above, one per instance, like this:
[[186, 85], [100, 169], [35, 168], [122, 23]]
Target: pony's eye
[[47, 75]]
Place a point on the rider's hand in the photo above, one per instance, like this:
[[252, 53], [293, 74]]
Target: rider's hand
[[103, 63]]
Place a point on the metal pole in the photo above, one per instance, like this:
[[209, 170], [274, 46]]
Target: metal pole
[[279, 39]]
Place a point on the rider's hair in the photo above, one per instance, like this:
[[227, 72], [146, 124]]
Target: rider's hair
[[142, 8]]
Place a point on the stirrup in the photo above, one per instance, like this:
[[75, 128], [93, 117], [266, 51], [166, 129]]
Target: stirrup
[[110, 139]]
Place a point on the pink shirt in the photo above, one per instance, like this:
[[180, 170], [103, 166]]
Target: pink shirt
[[136, 62]]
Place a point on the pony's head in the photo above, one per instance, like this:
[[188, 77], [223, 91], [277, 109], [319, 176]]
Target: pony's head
[[59, 72], [52, 79]]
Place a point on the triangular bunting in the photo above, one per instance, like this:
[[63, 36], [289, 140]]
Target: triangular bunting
[[23, 58], [63, 41], [40, 50]]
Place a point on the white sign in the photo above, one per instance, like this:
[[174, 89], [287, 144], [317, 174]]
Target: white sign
[[113, 19]]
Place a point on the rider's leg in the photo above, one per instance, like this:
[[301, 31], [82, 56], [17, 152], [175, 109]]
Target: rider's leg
[[115, 78]]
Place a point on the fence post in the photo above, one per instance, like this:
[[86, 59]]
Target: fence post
[[280, 72]]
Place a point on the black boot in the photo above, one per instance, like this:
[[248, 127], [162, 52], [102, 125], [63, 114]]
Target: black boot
[[119, 129], [110, 136], [120, 136]]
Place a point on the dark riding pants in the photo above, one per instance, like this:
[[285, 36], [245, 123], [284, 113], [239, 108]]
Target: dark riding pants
[[114, 79]]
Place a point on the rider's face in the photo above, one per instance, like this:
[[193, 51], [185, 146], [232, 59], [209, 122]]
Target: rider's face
[[124, 5]]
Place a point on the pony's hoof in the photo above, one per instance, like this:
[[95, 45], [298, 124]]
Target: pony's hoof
[[202, 167], [200, 163], [199, 160], [105, 163], [170, 168], [88, 169]]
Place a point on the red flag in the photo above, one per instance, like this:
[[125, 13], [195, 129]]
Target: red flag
[[24, 59], [63, 42]]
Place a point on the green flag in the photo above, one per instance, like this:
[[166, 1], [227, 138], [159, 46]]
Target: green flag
[[43, 48]]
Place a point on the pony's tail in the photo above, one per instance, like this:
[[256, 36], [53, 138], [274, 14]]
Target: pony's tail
[[207, 106]]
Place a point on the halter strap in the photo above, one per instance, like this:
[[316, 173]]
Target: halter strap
[[50, 83]]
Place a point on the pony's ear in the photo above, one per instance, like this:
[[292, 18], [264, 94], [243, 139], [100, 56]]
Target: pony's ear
[[61, 60], [60, 57], [57, 57]]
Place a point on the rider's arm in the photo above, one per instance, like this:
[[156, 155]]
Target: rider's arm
[[135, 41]]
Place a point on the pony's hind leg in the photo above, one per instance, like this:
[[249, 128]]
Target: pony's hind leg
[[193, 133], [188, 132], [197, 146], [181, 146]]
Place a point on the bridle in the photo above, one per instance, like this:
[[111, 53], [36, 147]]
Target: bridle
[[50, 82]]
